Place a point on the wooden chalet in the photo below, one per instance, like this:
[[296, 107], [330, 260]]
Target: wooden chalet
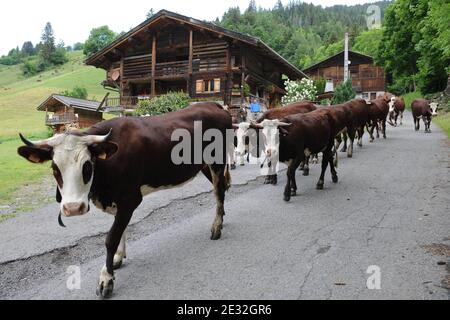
[[172, 52], [62, 110], [368, 79]]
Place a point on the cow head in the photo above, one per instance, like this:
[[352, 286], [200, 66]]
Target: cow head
[[392, 104], [434, 107], [241, 133], [73, 156], [270, 134]]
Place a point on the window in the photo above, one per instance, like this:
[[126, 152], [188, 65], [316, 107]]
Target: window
[[207, 86]]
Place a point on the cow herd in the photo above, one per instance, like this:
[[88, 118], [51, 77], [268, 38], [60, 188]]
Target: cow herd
[[115, 163]]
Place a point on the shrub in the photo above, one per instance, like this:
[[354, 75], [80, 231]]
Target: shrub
[[343, 93], [30, 68], [320, 85], [162, 104], [299, 91], [58, 57], [77, 92]]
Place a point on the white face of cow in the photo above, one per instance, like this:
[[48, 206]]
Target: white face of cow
[[73, 159], [241, 133], [271, 136], [433, 107], [391, 104]]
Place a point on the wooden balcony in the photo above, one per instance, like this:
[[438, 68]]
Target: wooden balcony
[[172, 69], [124, 102], [64, 118]]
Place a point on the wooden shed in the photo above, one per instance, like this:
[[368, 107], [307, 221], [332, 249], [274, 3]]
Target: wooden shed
[[62, 110], [368, 79]]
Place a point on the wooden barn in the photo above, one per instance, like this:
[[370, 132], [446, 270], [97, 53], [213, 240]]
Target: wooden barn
[[172, 52], [62, 110], [368, 79]]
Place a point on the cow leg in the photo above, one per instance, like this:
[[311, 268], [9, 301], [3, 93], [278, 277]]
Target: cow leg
[[344, 138], [273, 170], [334, 176], [306, 165], [401, 117], [377, 125], [325, 161], [351, 135], [383, 128], [221, 183], [336, 158], [417, 123], [360, 136], [124, 212], [121, 252], [291, 186], [337, 141], [370, 131]]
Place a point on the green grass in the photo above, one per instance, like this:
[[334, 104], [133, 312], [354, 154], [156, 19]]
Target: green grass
[[5, 217], [410, 97], [443, 121], [19, 98]]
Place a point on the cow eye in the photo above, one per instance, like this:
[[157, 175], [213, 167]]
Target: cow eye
[[87, 172], [57, 175]]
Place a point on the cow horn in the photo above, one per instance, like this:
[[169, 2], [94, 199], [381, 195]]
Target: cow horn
[[50, 142], [60, 222], [92, 139], [283, 124]]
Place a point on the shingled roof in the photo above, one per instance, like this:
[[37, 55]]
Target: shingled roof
[[69, 102], [289, 69]]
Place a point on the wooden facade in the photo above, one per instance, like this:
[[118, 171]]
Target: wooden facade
[[368, 79], [171, 52], [61, 111]]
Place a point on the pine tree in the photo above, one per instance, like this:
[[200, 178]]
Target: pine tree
[[48, 43]]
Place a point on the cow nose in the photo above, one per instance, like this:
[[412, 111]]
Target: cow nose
[[74, 209], [269, 152]]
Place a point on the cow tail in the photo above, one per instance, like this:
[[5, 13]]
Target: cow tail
[[227, 176]]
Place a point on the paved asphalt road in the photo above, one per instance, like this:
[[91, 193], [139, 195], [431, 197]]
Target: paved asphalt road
[[390, 209]]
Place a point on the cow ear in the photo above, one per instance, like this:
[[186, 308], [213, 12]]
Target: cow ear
[[103, 150], [283, 131], [34, 154]]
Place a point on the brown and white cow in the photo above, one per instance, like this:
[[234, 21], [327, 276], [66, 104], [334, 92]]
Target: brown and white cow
[[425, 109], [378, 112], [396, 108], [248, 141], [116, 163], [297, 136], [354, 117]]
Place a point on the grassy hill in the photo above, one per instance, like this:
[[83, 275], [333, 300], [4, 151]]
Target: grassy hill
[[19, 98]]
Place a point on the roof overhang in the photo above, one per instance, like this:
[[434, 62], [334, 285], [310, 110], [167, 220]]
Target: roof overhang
[[290, 70]]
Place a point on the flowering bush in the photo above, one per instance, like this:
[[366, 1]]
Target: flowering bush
[[169, 102], [299, 91]]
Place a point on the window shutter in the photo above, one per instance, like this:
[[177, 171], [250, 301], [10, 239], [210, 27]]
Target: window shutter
[[199, 86], [216, 85]]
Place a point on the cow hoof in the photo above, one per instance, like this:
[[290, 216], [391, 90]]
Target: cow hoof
[[335, 179], [287, 198], [319, 186], [216, 233], [105, 292], [274, 180], [293, 193], [349, 155], [267, 180], [344, 150], [233, 167]]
